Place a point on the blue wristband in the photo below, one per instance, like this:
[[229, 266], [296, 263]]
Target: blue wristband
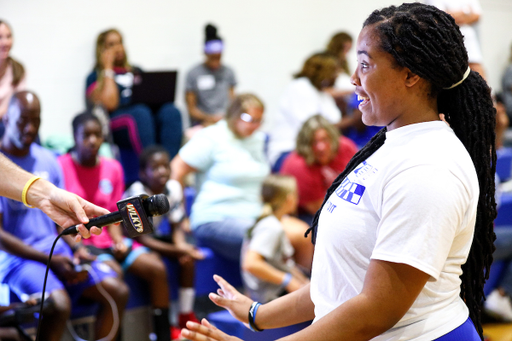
[[252, 316], [286, 280]]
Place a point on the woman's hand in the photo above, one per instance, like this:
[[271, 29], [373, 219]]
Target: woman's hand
[[205, 332], [107, 58], [120, 250], [229, 298], [63, 267]]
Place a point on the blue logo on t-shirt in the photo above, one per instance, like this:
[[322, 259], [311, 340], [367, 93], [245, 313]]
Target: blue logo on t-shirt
[[350, 191], [106, 186]]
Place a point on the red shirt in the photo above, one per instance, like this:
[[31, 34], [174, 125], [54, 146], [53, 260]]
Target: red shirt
[[314, 180]]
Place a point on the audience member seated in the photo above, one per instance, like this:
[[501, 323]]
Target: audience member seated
[[12, 73], [134, 126], [466, 14], [506, 86], [15, 314], [502, 120], [229, 160], [100, 181], [267, 254], [27, 235], [304, 97], [155, 170], [321, 154], [338, 47], [210, 85], [351, 124]]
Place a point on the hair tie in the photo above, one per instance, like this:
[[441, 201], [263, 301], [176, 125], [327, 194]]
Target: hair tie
[[466, 74]]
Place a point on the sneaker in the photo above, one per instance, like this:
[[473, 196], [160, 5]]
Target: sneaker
[[183, 318], [175, 333], [499, 306]]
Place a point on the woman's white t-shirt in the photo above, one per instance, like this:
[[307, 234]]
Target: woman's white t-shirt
[[414, 202]]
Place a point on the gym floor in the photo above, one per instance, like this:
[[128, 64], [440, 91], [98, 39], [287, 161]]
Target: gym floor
[[498, 331]]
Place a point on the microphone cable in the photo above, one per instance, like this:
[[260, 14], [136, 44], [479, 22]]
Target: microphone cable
[[102, 290], [44, 285]]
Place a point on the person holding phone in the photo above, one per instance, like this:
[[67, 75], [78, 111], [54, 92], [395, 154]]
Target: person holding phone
[[134, 126]]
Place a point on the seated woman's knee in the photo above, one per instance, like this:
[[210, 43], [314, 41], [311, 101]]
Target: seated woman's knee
[[141, 110]]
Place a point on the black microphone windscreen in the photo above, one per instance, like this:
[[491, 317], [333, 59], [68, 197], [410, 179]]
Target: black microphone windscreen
[[156, 205]]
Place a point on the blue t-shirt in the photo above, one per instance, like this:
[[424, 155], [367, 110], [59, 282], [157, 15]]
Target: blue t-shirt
[[31, 225], [230, 173]]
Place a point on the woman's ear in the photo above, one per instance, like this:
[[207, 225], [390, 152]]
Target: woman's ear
[[411, 78]]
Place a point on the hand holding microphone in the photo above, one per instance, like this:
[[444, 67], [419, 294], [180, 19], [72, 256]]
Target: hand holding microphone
[[134, 213]]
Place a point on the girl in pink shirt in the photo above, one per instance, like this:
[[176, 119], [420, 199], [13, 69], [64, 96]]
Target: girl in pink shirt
[[100, 180]]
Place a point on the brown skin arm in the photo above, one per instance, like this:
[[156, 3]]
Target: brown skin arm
[[163, 248], [389, 291], [180, 169], [193, 110], [462, 18], [106, 91]]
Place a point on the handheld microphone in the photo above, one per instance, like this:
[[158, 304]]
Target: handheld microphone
[[135, 213]]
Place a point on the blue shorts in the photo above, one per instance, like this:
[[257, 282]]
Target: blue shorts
[[130, 258], [28, 277], [465, 331]]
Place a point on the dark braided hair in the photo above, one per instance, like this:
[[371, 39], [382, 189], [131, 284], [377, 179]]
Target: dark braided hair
[[427, 41]]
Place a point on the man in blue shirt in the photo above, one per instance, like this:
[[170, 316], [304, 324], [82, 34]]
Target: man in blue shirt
[[27, 234]]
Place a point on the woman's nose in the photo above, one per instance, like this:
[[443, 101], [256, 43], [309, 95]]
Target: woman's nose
[[354, 79]]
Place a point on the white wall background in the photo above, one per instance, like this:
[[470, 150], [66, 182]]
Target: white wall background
[[266, 41]]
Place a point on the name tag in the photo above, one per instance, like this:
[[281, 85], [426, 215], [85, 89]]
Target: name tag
[[205, 82], [125, 80]]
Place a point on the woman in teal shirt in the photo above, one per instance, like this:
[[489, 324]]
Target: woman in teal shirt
[[229, 160]]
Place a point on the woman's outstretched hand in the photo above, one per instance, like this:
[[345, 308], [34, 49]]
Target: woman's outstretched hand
[[229, 298], [205, 332]]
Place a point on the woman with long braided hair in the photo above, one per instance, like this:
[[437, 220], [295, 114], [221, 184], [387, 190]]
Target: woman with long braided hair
[[404, 238]]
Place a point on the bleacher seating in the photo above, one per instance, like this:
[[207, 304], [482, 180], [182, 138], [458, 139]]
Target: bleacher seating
[[504, 163]]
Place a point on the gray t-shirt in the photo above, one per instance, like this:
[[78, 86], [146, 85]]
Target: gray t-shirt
[[211, 87], [270, 241]]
